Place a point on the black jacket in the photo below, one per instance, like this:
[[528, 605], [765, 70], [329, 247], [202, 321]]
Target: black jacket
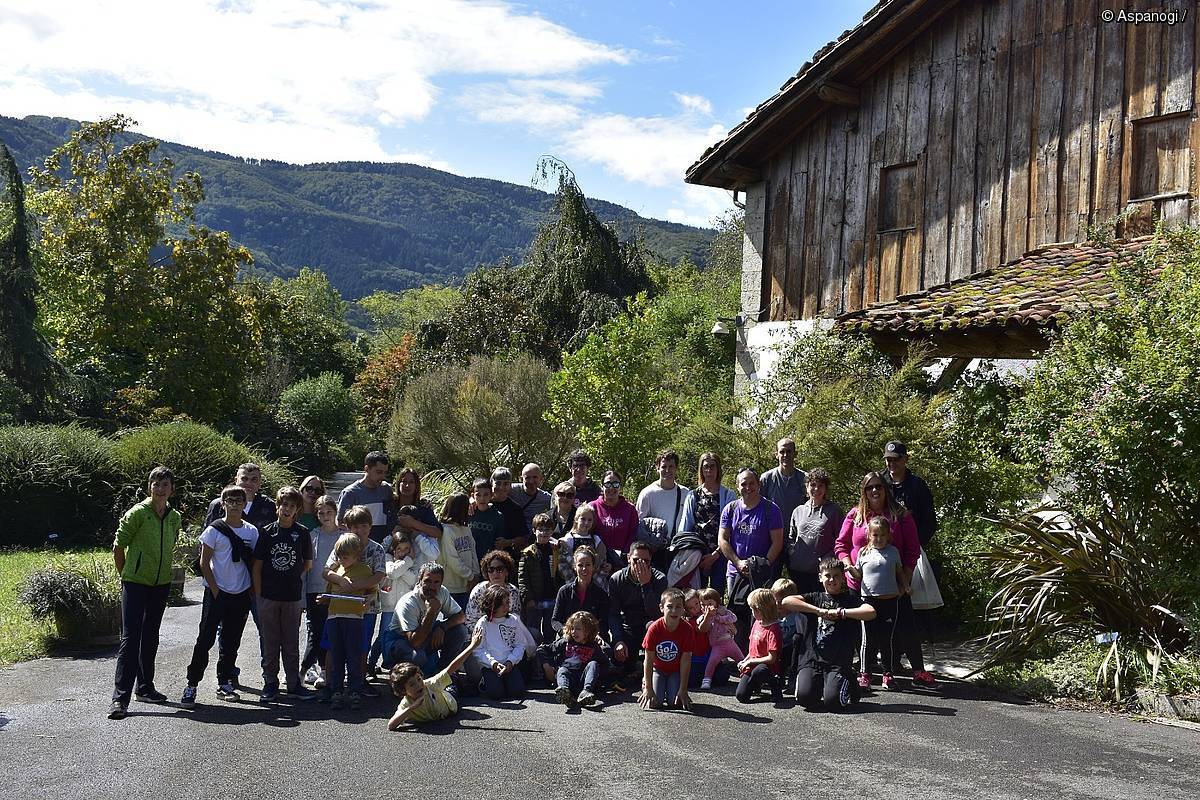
[[262, 513], [914, 494], [634, 606], [566, 603]]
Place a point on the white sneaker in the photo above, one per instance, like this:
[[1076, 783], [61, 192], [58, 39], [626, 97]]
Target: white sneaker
[[312, 675], [706, 683]]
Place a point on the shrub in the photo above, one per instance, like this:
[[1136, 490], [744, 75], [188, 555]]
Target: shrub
[[320, 408], [56, 479], [202, 459], [82, 595]]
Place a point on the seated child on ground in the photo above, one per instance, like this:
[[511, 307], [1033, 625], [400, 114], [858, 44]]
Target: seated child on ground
[[763, 665], [825, 673], [719, 624], [668, 646], [580, 659], [504, 646], [427, 700]]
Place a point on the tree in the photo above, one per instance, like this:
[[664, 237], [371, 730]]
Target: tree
[[25, 359], [308, 333], [378, 386], [122, 295], [321, 408], [396, 315]]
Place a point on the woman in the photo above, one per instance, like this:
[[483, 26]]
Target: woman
[[875, 499], [616, 518], [563, 511], [580, 594], [312, 489], [812, 530], [702, 515], [408, 493]]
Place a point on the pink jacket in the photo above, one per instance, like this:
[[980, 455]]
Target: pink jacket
[[616, 527], [853, 537]]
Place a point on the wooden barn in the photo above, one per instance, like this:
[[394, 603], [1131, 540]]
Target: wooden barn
[[938, 172]]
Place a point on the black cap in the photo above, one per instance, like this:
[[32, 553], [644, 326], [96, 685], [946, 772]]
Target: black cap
[[895, 449]]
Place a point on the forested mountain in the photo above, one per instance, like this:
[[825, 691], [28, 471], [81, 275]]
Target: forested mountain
[[367, 225]]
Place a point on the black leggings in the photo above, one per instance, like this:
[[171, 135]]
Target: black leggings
[[753, 681], [891, 634], [822, 683]]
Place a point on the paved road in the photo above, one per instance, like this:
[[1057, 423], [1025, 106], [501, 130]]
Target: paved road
[[55, 742]]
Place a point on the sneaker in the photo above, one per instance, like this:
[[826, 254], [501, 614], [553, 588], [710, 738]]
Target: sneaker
[[227, 692], [323, 696], [706, 683], [338, 701], [844, 692], [889, 683], [189, 697], [586, 698], [151, 695], [564, 695], [355, 700], [369, 691], [923, 678], [319, 683], [301, 693], [117, 711], [372, 671], [270, 693], [311, 676], [864, 680]]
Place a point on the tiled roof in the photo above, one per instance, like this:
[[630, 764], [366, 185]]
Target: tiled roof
[[1040, 289]]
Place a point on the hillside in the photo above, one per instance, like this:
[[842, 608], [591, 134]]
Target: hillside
[[368, 226]]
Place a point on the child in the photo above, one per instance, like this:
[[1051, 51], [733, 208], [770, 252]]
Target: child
[[764, 664], [226, 550], [719, 624], [583, 534], [401, 577], [487, 523], [668, 648], [424, 547], [323, 540], [344, 623], [503, 646], [427, 700], [282, 555], [579, 658], [538, 578], [824, 667], [881, 582], [792, 627], [360, 522], [458, 555]]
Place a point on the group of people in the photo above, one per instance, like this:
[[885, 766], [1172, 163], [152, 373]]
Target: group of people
[[511, 584]]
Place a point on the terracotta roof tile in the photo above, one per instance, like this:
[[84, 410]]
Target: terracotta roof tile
[[1039, 289]]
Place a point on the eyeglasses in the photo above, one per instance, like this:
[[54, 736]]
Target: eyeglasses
[[311, 490], [566, 494], [612, 484], [234, 501]]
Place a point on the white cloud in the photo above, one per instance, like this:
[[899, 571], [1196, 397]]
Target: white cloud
[[652, 150], [297, 79], [700, 205], [694, 103], [537, 103]]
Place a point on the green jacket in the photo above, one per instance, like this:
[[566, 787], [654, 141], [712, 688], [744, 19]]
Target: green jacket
[[149, 543]]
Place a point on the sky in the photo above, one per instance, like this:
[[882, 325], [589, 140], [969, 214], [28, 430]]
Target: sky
[[628, 94]]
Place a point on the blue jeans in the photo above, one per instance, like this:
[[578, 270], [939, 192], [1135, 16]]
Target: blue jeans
[[664, 686], [496, 687], [382, 643], [345, 653], [578, 678], [431, 661]]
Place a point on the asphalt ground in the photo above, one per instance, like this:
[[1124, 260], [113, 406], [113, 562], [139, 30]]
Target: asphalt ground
[[955, 742]]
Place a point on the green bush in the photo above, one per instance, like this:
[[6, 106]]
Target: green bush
[[56, 479], [202, 459], [321, 408], [1071, 674]]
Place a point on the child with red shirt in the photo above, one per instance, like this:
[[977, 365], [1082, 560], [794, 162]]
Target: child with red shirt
[[668, 647], [763, 665]]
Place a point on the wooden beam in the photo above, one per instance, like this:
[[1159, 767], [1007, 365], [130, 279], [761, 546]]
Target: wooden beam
[[740, 174], [838, 93], [952, 372]]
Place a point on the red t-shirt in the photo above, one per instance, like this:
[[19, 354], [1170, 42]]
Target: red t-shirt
[[765, 639], [669, 646]]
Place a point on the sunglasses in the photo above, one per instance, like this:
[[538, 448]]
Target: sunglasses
[[311, 490], [612, 484], [875, 487], [495, 568], [566, 494]]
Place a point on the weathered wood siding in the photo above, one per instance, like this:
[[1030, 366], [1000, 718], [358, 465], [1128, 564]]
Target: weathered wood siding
[[1008, 125]]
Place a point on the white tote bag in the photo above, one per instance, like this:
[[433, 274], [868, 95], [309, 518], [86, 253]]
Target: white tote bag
[[925, 591]]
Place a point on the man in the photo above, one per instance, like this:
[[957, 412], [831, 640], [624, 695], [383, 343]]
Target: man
[[530, 497], [516, 531], [428, 624], [635, 593], [372, 492], [586, 489], [663, 500], [785, 486], [142, 554], [259, 510], [910, 489]]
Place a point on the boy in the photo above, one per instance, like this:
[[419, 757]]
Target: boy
[[668, 663], [486, 522], [344, 624], [359, 520], [427, 700], [793, 627], [281, 557], [538, 578], [323, 539], [824, 668], [226, 550]]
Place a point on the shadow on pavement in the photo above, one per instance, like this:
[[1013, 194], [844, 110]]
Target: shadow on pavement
[[720, 712]]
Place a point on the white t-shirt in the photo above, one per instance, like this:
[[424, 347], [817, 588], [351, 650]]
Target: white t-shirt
[[231, 576], [655, 501]]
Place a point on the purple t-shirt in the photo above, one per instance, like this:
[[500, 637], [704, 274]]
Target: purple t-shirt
[[750, 528]]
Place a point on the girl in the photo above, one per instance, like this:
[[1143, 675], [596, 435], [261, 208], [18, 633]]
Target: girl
[[764, 664], [324, 537], [504, 645], [401, 578], [720, 625], [579, 658], [424, 548], [458, 548], [882, 581], [583, 534], [312, 489], [424, 700]]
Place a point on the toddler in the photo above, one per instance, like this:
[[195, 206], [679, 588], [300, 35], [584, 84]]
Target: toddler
[[401, 577], [720, 625], [504, 645], [424, 547], [580, 658], [763, 665], [668, 648], [881, 582], [427, 700]]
